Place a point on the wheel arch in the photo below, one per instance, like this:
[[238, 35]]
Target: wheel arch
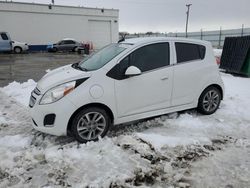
[[98, 105], [15, 47], [216, 86]]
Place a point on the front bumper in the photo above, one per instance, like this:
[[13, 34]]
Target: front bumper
[[63, 109], [25, 48]]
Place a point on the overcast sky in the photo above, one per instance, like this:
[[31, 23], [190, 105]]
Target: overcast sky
[[170, 15]]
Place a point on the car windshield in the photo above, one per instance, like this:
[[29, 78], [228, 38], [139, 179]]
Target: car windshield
[[102, 57]]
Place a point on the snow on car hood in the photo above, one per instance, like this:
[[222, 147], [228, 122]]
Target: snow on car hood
[[59, 76]]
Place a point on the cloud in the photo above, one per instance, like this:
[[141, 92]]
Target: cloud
[[170, 15]]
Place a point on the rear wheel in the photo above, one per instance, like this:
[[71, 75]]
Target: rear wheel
[[75, 49], [90, 124], [209, 100]]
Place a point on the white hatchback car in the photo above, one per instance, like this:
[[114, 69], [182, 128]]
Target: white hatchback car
[[131, 80]]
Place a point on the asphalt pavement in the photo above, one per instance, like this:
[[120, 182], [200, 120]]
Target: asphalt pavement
[[21, 67]]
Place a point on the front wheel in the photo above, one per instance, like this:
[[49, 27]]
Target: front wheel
[[18, 50], [90, 124], [54, 49], [209, 100]]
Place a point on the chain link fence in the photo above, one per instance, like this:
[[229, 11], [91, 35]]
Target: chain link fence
[[216, 37]]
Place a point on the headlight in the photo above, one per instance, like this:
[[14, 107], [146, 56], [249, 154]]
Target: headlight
[[57, 92]]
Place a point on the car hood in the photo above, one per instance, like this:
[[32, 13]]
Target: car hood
[[59, 76], [19, 43]]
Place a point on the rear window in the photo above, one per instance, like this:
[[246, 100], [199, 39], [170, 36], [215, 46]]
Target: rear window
[[69, 42], [189, 52], [4, 36]]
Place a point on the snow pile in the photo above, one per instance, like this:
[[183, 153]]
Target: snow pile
[[231, 119], [2, 120], [11, 147], [15, 142], [103, 161], [32, 159], [159, 141], [217, 52], [20, 92]]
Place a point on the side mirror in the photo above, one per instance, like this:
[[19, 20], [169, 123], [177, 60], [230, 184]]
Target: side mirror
[[132, 71]]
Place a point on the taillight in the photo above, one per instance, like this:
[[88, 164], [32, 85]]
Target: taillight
[[217, 60]]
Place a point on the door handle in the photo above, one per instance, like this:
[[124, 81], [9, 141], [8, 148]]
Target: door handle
[[164, 78]]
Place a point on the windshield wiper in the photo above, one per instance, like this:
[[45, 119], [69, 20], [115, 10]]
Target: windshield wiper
[[76, 66]]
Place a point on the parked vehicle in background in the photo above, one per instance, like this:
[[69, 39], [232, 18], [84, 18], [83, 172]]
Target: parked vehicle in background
[[131, 80], [66, 45], [19, 47], [5, 42]]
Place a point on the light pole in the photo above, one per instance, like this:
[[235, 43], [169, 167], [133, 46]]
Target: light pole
[[188, 7]]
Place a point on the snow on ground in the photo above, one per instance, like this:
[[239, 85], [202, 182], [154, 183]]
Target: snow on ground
[[20, 92], [217, 52], [229, 168], [179, 149]]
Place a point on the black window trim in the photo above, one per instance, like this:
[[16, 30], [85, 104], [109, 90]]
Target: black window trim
[[141, 46], [184, 62], [125, 55]]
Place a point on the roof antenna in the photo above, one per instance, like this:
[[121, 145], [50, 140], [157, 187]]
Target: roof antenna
[[123, 37]]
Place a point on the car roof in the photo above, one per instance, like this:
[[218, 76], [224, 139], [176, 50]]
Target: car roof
[[69, 39], [143, 40]]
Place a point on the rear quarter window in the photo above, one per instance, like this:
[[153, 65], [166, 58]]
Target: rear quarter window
[[189, 52]]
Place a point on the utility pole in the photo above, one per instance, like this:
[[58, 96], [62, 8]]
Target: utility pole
[[242, 30], [188, 8]]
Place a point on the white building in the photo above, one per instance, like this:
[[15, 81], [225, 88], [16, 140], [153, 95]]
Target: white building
[[40, 24]]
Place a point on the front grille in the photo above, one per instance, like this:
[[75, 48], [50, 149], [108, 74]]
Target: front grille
[[37, 91], [32, 101], [34, 94]]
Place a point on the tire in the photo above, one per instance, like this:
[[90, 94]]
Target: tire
[[18, 50], [54, 49], [90, 124], [75, 49], [209, 100]]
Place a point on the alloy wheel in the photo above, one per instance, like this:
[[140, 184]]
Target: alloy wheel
[[91, 125], [211, 100]]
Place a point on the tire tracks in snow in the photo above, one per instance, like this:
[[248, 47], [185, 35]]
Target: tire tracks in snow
[[169, 167]]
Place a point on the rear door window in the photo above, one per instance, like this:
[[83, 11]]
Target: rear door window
[[189, 52], [4, 36], [69, 42]]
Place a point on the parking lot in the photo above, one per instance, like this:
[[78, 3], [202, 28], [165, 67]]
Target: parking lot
[[22, 67], [176, 150]]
